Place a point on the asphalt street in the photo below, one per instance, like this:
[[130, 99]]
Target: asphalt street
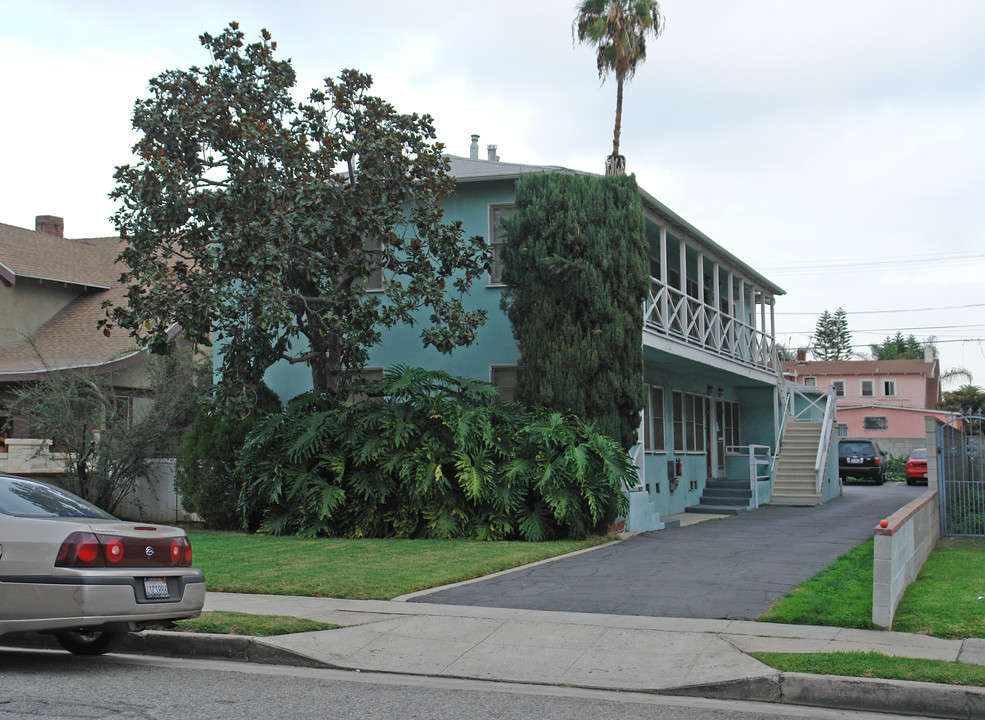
[[56, 686], [731, 568]]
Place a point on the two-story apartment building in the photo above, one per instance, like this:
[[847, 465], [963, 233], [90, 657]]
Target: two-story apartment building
[[714, 394], [882, 399]]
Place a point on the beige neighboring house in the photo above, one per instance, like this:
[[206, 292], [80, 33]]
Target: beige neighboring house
[[51, 292]]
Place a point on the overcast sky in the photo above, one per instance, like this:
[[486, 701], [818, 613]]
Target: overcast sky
[[836, 147]]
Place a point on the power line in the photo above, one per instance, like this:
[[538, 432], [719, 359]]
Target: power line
[[886, 312], [859, 265]]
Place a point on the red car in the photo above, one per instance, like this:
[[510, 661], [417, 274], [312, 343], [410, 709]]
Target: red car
[[916, 467]]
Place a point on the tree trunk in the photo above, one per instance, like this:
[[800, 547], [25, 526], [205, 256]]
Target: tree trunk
[[615, 164], [618, 128], [326, 368]]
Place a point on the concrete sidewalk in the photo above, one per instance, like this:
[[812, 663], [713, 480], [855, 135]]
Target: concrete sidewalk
[[707, 658]]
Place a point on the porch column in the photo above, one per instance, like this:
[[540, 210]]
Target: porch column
[[717, 301], [702, 314], [763, 358], [682, 315], [664, 288]]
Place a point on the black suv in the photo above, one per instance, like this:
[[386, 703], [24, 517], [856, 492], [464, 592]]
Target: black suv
[[861, 458]]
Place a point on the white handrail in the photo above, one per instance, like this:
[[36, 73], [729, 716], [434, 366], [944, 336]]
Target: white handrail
[[754, 476], [821, 462]]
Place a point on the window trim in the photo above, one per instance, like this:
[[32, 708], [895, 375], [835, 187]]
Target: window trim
[[492, 243], [872, 388], [835, 384], [649, 436], [492, 379], [886, 383]]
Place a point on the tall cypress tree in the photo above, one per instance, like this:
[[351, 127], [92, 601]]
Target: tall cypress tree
[[576, 275]]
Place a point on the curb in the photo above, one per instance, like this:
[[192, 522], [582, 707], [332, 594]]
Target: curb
[[954, 702]]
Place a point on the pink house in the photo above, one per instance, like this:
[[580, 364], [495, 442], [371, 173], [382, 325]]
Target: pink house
[[886, 400]]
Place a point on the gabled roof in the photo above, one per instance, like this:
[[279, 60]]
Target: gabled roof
[[473, 170], [29, 254], [70, 338], [862, 367]]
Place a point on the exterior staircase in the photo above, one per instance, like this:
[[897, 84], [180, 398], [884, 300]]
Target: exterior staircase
[[794, 481], [723, 497]]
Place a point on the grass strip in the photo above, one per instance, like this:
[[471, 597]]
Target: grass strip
[[237, 623], [947, 599], [839, 596], [356, 569], [875, 665]]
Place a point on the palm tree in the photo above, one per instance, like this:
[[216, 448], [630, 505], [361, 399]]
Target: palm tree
[[618, 30]]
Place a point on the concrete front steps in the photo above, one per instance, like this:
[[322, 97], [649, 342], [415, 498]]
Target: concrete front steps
[[794, 480], [723, 497]]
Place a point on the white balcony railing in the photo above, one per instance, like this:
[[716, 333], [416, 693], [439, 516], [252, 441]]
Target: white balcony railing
[[670, 312]]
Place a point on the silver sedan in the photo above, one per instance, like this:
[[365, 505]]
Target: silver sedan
[[70, 569]]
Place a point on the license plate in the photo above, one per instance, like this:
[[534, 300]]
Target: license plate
[[156, 588], [855, 461]]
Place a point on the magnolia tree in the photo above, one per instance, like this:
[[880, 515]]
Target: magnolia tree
[[288, 231]]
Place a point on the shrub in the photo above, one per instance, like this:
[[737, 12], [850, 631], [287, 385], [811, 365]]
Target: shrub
[[896, 468], [430, 455], [205, 475]]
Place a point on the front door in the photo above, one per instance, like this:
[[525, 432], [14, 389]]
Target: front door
[[720, 437]]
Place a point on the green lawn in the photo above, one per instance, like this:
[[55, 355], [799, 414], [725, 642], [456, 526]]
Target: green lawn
[[356, 569], [874, 665], [236, 623], [947, 600], [840, 595]]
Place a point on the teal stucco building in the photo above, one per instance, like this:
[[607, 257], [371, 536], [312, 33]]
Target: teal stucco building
[[718, 412]]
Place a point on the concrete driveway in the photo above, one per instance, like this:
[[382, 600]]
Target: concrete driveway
[[731, 568]]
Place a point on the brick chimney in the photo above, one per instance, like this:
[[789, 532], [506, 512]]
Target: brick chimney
[[49, 225], [801, 354]]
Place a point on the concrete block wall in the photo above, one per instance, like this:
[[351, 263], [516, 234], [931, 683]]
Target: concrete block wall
[[901, 547]]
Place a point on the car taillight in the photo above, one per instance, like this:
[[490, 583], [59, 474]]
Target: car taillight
[[80, 549], [114, 551], [181, 551], [877, 461]]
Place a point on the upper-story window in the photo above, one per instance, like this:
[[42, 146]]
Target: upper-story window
[[867, 388], [810, 382], [839, 386], [497, 238], [889, 388]]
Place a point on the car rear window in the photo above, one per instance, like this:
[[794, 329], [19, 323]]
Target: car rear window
[[919, 455], [25, 498], [856, 448]]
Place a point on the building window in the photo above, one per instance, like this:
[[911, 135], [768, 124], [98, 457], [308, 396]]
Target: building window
[[678, 421], [694, 410], [504, 377], [875, 422], [365, 375], [497, 239], [810, 382], [839, 386], [374, 281], [841, 430], [122, 409], [867, 388], [653, 420], [889, 388]]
